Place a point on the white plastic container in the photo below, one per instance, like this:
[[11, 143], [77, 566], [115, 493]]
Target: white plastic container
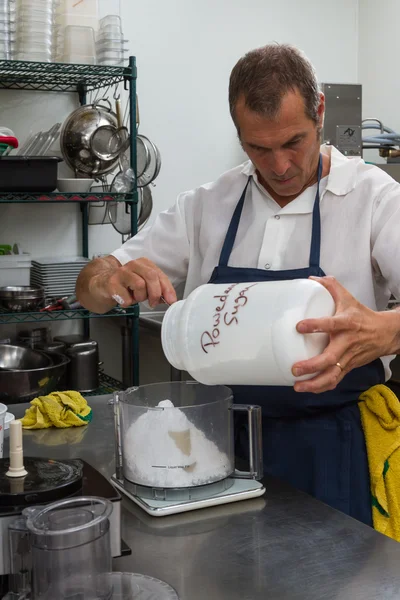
[[15, 269], [245, 333]]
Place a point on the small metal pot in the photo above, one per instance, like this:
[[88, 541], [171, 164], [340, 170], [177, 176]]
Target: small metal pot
[[76, 138]]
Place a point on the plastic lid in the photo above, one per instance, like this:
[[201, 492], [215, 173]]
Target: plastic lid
[[47, 481], [132, 586]]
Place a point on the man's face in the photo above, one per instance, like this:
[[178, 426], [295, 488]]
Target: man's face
[[283, 150]]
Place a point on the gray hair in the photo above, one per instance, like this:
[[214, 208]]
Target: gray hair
[[263, 76]]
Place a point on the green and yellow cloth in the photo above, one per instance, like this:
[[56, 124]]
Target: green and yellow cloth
[[380, 417], [59, 409]]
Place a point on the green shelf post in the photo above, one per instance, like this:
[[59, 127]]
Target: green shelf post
[[131, 79]]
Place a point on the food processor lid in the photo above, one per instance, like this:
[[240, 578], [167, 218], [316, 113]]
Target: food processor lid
[[47, 481], [129, 586]]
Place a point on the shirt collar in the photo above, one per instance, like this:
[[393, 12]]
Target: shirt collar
[[342, 177]]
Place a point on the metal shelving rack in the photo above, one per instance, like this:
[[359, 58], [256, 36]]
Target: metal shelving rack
[[81, 79]]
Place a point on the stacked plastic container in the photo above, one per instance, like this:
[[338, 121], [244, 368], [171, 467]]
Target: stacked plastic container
[[7, 10], [34, 35], [110, 43], [77, 23]]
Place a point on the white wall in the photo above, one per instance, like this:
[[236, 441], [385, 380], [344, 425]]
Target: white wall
[[378, 63], [185, 51]]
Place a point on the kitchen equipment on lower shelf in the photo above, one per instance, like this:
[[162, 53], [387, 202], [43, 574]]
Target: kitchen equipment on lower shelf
[[245, 333], [83, 368], [28, 173], [22, 298], [51, 346], [74, 185], [15, 269], [57, 274], [25, 384], [174, 445], [34, 337], [19, 358]]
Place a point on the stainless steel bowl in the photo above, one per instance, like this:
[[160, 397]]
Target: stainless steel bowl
[[76, 138], [23, 386], [19, 358], [22, 298]]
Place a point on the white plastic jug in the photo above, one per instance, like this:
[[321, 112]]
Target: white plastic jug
[[245, 333]]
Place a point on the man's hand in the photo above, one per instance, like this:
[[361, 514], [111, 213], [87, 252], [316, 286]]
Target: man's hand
[[358, 335], [105, 282]]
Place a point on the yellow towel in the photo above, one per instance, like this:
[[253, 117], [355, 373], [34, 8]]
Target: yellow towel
[[59, 409], [380, 417]]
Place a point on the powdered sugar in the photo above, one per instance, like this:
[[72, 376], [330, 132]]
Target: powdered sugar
[[163, 448]]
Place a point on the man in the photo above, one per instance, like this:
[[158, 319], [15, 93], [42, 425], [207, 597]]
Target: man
[[294, 210]]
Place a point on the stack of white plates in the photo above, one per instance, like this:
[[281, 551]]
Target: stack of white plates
[[57, 274]]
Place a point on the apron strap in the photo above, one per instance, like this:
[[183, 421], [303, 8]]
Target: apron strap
[[232, 229], [315, 248]]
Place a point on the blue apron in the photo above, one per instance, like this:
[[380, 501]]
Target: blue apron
[[314, 442]]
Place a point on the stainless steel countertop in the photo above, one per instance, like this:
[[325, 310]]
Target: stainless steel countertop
[[283, 546]]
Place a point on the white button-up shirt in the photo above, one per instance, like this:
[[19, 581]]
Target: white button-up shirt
[[360, 230]]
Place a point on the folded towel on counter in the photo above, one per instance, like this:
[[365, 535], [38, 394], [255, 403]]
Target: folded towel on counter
[[59, 409], [380, 417]]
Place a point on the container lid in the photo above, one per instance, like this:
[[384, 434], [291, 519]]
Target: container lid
[[132, 586], [47, 481], [71, 522]]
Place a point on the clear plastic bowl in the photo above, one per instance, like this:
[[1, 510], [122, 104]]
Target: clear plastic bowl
[[133, 586]]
